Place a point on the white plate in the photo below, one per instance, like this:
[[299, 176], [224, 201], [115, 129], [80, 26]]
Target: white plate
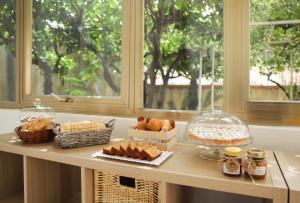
[[156, 162]]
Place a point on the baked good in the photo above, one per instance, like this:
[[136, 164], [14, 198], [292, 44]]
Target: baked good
[[151, 153], [36, 125], [141, 123], [116, 150], [217, 134], [153, 124], [130, 149], [137, 150], [81, 126], [168, 125], [107, 150], [123, 148]]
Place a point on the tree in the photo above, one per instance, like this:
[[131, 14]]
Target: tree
[[276, 47], [175, 32]]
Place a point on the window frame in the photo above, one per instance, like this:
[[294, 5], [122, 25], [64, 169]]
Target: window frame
[[16, 103], [238, 91], [121, 105], [236, 65]]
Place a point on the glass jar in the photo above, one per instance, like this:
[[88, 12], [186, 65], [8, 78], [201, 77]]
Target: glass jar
[[255, 165], [232, 163], [38, 110]]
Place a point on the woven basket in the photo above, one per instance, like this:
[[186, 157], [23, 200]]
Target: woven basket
[[35, 137], [85, 138], [113, 188]]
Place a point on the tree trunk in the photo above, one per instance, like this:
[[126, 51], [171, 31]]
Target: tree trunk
[[162, 94], [192, 96], [47, 76]]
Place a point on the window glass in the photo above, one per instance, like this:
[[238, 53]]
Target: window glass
[[275, 50], [183, 54], [8, 50], [76, 48]]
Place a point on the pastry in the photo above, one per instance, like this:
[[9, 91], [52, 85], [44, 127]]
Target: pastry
[[141, 123], [153, 124], [168, 125], [217, 134]]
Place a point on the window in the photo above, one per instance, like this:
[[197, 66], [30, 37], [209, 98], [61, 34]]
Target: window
[[79, 49], [76, 47], [153, 57], [8, 50], [183, 54], [275, 50]]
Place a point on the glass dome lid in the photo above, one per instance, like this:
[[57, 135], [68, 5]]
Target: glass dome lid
[[218, 128], [38, 110]]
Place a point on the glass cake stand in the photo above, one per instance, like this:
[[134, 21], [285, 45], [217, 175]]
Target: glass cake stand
[[216, 151], [214, 130]]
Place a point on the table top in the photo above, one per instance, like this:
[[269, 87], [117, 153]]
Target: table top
[[184, 167], [290, 166]]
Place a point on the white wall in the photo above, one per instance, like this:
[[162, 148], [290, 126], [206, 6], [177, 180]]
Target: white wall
[[268, 137]]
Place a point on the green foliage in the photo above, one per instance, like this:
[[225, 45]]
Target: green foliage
[[274, 48]]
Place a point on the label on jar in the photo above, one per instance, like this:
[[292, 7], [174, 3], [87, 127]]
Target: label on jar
[[237, 171], [260, 170]]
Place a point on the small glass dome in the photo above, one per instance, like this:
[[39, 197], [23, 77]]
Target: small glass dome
[[216, 128], [36, 111]]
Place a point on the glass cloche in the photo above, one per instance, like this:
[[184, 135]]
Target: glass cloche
[[38, 110], [215, 130]]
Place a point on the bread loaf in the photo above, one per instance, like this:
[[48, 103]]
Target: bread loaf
[[81, 126], [137, 150]]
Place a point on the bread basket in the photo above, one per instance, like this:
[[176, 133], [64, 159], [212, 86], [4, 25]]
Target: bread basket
[[84, 138], [35, 137]]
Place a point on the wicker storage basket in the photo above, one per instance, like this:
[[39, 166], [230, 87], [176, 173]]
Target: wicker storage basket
[[86, 138], [35, 137], [113, 188]]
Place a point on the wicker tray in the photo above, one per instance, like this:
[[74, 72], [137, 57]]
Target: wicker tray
[[35, 137], [85, 138]]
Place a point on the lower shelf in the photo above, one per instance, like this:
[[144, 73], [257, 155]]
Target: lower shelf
[[11, 178], [49, 182]]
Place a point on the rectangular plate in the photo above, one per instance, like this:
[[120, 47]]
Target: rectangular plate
[[156, 162]]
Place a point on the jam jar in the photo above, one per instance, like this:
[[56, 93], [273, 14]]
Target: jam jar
[[255, 165], [232, 163]]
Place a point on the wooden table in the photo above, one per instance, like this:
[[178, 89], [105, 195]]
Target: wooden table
[[185, 167], [290, 166]]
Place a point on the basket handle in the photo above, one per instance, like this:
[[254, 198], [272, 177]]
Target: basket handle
[[127, 182], [111, 123]]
